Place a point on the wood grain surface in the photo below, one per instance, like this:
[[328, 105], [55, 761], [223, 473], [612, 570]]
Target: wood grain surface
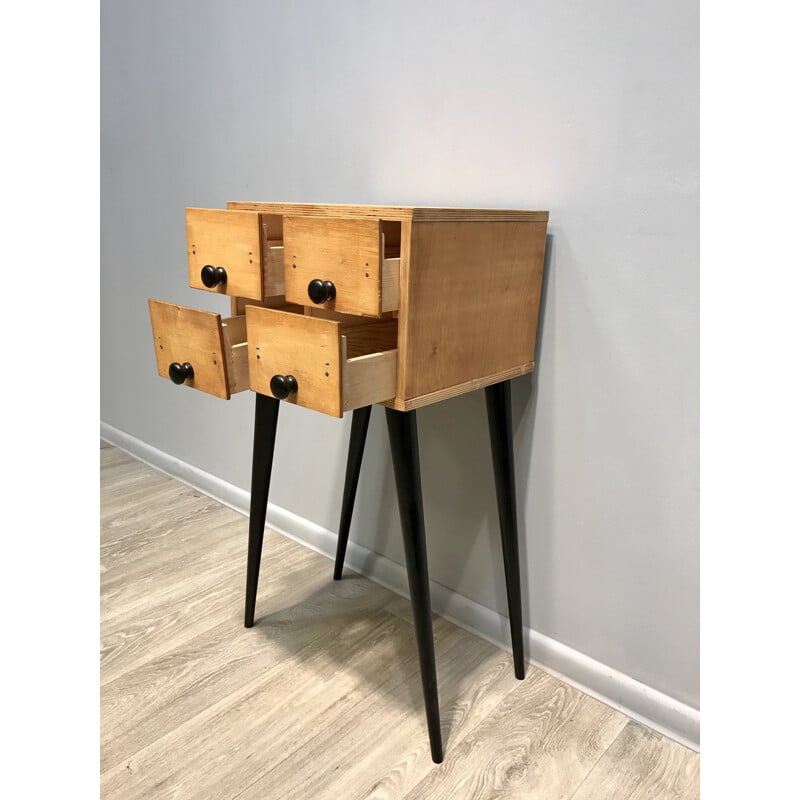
[[190, 335], [309, 348], [322, 699], [470, 303], [345, 251], [418, 214], [641, 765], [228, 239]]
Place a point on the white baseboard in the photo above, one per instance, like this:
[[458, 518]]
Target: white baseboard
[[638, 701]]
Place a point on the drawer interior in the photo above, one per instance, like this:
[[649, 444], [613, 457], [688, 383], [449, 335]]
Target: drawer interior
[[369, 363]]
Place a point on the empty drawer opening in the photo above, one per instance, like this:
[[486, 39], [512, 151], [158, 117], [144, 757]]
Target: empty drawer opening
[[391, 239], [390, 256], [272, 255]]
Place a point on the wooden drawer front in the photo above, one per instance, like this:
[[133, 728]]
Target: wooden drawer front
[[247, 246], [337, 366], [215, 348], [347, 252]]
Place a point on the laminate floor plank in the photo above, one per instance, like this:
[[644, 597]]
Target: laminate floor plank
[[124, 600], [541, 741], [118, 467], [162, 540], [219, 752], [145, 703], [322, 698], [471, 674], [642, 765], [188, 532], [122, 516], [192, 604]]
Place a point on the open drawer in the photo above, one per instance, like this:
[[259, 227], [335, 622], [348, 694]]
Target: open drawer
[[349, 265], [200, 349], [239, 253], [329, 365]]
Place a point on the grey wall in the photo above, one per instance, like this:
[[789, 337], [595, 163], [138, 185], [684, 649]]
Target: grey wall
[[587, 109]]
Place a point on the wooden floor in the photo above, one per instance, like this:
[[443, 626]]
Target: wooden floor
[[322, 698]]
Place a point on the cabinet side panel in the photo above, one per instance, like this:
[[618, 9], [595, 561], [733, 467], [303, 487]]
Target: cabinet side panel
[[472, 303]]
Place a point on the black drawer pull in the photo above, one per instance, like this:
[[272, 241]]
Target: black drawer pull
[[321, 291], [178, 373], [282, 386], [213, 276]]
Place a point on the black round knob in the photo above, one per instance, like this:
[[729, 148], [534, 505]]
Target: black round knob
[[178, 373], [321, 291], [282, 386], [213, 276]]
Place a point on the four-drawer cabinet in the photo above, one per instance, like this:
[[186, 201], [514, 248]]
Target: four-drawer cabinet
[[338, 307]]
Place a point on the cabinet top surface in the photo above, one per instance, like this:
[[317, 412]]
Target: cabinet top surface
[[411, 213]]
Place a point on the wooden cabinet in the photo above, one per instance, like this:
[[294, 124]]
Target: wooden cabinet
[[336, 308], [401, 306]]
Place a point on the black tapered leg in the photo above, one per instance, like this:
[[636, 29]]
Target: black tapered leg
[[355, 453], [405, 456], [498, 407], [264, 429]]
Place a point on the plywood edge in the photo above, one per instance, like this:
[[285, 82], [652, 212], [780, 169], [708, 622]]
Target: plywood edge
[[393, 213], [403, 285], [409, 404], [478, 215], [323, 209], [154, 303], [193, 211]]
